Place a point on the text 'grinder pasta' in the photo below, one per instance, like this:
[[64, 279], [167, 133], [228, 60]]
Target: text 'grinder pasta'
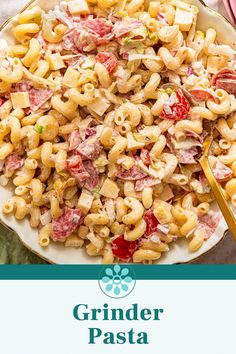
[[103, 113]]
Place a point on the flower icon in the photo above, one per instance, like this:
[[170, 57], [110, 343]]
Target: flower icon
[[117, 281]]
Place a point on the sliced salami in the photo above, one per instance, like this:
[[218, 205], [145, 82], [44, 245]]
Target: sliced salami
[[145, 183], [89, 149], [76, 168], [14, 162], [133, 174], [74, 139], [95, 31], [123, 27], [90, 131], [223, 73], [187, 156], [108, 60], [93, 180], [209, 223], [38, 97], [225, 79], [67, 223], [228, 85], [70, 39], [200, 94], [222, 172]]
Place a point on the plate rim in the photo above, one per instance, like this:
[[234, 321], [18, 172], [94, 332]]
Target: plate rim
[[15, 232]]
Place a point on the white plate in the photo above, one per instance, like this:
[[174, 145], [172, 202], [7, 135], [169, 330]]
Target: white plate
[[57, 253]]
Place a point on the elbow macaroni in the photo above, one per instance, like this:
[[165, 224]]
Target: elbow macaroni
[[102, 154]]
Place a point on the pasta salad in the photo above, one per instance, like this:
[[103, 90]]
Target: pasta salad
[[104, 108]]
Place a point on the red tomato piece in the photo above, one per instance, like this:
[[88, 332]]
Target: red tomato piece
[[151, 223], [123, 249], [108, 60], [176, 108]]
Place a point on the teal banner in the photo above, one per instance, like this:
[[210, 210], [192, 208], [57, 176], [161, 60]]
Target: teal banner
[[92, 272]]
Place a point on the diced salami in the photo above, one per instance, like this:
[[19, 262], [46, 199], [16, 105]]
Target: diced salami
[[151, 223], [133, 174], [192, 134], [209, 223], [95, 31], [123, 27], [201, 94], [89, 149], [22, 86], [67, 223], [222, 172], [187, 156], [75, 166], [83, 171], [74, 139], [99, 27], [70, 39], [38, 97], [145, 157], [108, 60], [14, 162], [177, 107], [123, 249], [145, 183], [75, 62], [90, 131], [93, 180], [190, 71]]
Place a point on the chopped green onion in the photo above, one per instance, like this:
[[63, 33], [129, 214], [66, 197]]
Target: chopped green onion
[[39, 128]]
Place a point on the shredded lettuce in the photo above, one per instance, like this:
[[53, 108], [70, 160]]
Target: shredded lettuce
[[89, 63], [96, 191], [139, 33]]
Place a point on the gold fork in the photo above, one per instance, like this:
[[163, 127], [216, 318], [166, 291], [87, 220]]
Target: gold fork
[[216, 187]]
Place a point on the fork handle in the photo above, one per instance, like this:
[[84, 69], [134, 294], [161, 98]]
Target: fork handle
[[220, 198]]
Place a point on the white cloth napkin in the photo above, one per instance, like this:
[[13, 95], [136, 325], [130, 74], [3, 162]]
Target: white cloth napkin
[[11, 7]]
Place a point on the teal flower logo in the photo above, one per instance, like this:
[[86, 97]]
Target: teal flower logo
[[117, 281]]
